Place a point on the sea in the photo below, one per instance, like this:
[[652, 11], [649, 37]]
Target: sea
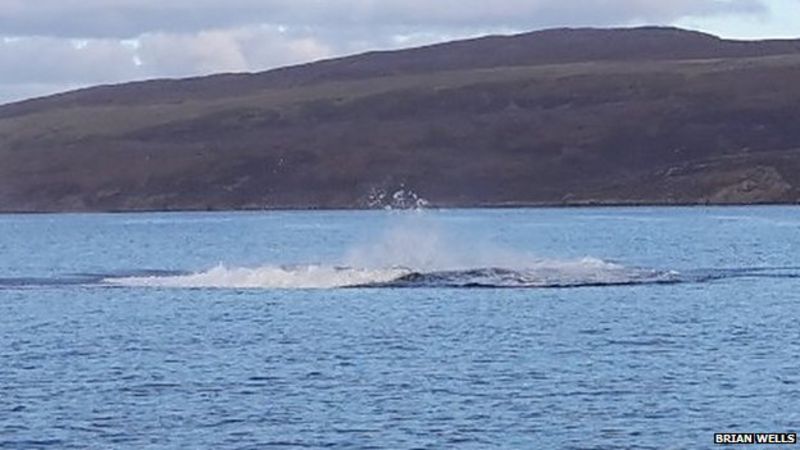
[[585, 328]]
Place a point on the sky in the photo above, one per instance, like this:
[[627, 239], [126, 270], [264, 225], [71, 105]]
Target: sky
[[48, 46]]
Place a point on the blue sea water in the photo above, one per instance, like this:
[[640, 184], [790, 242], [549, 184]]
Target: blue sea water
[[645, 328]]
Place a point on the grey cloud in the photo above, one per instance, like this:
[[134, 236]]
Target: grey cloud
[[233, 50], [42, 65], [125, 40], [131, 18], [63, 61]]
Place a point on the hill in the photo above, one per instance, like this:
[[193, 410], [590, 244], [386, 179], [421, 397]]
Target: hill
[[567, 116]]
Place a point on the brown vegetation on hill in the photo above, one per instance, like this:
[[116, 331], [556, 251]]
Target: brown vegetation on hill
[[651, 115]]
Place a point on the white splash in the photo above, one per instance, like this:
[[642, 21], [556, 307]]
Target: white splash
[[415, 250], [267, 277], [543, 273], [418, 242], [400, 199]]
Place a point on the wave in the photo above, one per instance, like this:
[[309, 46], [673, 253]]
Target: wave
[[586, 272], [542, 274]]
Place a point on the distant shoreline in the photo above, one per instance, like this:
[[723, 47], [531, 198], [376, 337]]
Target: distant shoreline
[[504, 206]]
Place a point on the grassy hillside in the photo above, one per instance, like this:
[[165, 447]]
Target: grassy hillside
[[558, 117]]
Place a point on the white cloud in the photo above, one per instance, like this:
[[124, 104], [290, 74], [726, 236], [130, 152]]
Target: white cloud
[[187, 54], [273, 46], [130, 18], [47, 44], [32, 60], [43, 65], [782, 22], [233, 50]]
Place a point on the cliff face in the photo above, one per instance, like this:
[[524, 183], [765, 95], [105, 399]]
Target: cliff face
[[555, 117]]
